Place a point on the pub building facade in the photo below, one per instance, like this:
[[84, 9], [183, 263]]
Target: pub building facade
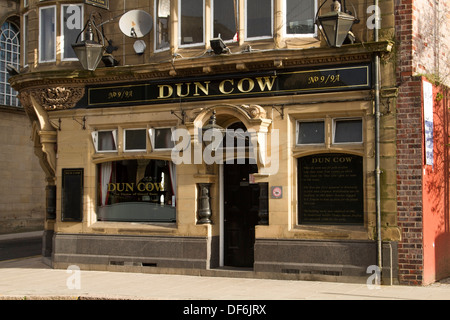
[[134, 181]]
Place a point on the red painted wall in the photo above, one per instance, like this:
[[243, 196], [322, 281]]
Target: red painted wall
[[435, 192]]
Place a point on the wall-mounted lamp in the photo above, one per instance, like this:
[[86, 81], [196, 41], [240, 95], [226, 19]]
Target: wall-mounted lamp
[[89, 51], [335, 25], [218, 46], [215, 130]]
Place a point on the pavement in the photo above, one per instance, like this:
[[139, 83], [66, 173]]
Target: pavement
[[31, 279]]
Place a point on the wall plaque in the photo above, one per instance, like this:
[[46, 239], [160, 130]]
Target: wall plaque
[[330, 189], [72, 194]]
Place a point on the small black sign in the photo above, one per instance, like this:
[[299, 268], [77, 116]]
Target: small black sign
[[98, 3], [273, 83], [330, 189], [72, 194]]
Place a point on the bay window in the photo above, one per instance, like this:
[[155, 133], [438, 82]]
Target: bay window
[[71, 26], [47, 34]]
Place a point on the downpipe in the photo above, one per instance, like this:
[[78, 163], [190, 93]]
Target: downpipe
[[377, 142]]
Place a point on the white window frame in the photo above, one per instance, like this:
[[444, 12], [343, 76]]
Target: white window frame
[[306, 35], [170, 24], [297, 129], [151, 132], [197, 44], [95, 140], [271, 24], [26, 23], [212, 18], [11, 56], [63, 8], [125, 140], [348, 119], [40, 33]]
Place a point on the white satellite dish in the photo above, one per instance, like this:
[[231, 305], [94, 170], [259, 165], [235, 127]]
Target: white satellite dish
[[136, 23]]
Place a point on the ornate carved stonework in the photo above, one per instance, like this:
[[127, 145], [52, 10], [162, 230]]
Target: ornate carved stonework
[[58, 98]]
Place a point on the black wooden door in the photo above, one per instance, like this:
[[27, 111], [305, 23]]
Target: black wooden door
[[241, 202]]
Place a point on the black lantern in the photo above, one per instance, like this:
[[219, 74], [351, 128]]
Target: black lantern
[[214, 127], [335, 25], [89, 51]]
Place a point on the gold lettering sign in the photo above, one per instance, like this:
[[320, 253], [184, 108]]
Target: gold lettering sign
[[269, 83]]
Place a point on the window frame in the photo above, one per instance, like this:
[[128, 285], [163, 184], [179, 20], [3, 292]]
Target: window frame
[[297, 131], [62, 35], [151, 132], [180, 21], [347, 119], [53, 59], [95, 140], [125, 140], [155, 22], [247, 38], [26, 23], [290, 35], [8, 95], [212, 21]]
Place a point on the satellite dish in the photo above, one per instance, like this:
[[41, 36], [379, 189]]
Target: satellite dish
[[135, 23]]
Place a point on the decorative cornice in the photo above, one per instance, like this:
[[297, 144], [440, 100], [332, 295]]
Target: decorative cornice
[[191, 67]]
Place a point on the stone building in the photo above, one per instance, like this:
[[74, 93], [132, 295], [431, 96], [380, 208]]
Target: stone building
[[305, 175], [22, 203]]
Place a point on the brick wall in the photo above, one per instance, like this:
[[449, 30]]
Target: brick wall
[[421, 51], [409, 153]]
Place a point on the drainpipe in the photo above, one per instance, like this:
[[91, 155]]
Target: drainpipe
[[377, 138]]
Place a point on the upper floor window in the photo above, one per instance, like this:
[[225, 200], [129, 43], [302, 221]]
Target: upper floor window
[[71, 26], [162, 24], [259, 18], [192, 22], [9, 55], [47, 34], [300, 17], [225, 16]]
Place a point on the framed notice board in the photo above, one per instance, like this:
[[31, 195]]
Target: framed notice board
[[72, 194], [331, 189]]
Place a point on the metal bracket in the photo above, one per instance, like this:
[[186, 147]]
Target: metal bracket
[[183, 114], [281, 111], [83, 125], [59, 124]]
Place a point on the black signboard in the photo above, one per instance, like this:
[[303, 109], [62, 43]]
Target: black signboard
[[330, 189], [72, 194], [354, 77]]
